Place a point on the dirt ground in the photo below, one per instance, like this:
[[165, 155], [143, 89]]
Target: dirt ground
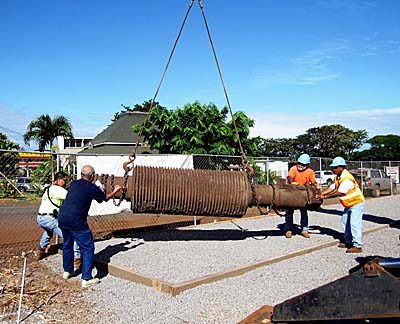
[[47, 297]]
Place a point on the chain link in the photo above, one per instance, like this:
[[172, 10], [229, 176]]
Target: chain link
[[123, 190]]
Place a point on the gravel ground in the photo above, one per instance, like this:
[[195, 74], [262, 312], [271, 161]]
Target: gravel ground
[[180, 255]]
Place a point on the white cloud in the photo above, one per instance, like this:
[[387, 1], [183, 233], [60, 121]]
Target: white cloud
[[311, 68], [14, 119], [374, 121], [351, 6]]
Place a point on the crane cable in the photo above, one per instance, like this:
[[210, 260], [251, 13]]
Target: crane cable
[[244, 158], [132, 156]]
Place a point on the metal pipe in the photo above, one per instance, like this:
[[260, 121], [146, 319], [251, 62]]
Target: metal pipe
[[206, 192], [393, 263]]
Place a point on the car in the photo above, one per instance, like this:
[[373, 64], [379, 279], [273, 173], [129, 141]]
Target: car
[[374, 181], [24, 184], [324, 177]]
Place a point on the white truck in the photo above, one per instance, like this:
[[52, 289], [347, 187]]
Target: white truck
[[324, 177]]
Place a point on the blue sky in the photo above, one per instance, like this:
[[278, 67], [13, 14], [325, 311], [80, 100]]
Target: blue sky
[[289, 64]]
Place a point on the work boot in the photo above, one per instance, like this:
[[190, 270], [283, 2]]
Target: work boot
[[77, 264], [305, 234], [67, 275], [288, 234], [42, 254], [354, 249], [344, 245], [90, 282]]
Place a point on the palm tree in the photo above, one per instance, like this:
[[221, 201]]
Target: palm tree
[[44, 130]]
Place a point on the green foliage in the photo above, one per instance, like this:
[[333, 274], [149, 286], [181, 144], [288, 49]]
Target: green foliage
[[41, 176], [6, 144], [7, 190], [8, 160], [197, 129], [44, 130], [144, 107], [280, 147], [330, 141], [262, 177], [325, 141], [383, 147]]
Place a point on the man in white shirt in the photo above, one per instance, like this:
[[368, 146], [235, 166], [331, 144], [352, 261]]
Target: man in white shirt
[[353, 201], [53, 197]]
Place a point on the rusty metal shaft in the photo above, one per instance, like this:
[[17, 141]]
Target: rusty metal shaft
[[206, 192]]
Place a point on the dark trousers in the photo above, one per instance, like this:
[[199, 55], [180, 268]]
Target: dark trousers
[[289, 219], [84, 239]]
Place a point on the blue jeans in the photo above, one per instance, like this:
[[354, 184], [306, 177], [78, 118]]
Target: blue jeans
[[50, 226], [84, 239], [303, 219], [352, 224]]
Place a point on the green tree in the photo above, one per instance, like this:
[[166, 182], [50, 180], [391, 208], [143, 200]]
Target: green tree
[[144, 107], [41, 176], [330, 140], [383, 147], [44, 130], [279, 147], [8, 160], [6, 144], [325, 141], [197, 129]]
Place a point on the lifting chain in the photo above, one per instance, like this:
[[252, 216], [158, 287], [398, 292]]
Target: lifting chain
[[308, 195], [103, 179], [273, 203], [250, 176], [123, 190]]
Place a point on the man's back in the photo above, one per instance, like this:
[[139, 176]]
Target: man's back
[[74, 211]]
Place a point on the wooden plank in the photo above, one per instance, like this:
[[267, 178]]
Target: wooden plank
[[133, 276], [262, 315], [179, 288], [175, 289], [242, 270]]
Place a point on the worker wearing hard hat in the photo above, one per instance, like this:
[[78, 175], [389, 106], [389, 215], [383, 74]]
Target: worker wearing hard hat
[[300, 174], [353, 201]]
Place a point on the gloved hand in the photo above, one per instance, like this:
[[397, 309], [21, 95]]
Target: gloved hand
[[98, 184]]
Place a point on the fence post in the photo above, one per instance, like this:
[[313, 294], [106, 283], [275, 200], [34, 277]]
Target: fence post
[[390, 179], [362, 177], [58, 163]]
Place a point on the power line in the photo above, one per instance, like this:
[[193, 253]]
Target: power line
[[10, 131], [15, 137]]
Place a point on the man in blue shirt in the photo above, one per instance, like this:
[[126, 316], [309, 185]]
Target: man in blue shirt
[[74, 226]]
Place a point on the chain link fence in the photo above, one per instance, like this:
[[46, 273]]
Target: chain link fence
[[23, 176]]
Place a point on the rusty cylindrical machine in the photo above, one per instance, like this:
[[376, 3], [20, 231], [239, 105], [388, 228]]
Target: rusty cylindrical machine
[[205, 192]]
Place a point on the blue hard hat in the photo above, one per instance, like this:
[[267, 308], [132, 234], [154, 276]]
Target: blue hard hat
[[304, 159], [338, 161]]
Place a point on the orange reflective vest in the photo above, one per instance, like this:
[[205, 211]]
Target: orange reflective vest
[[353, 196]]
